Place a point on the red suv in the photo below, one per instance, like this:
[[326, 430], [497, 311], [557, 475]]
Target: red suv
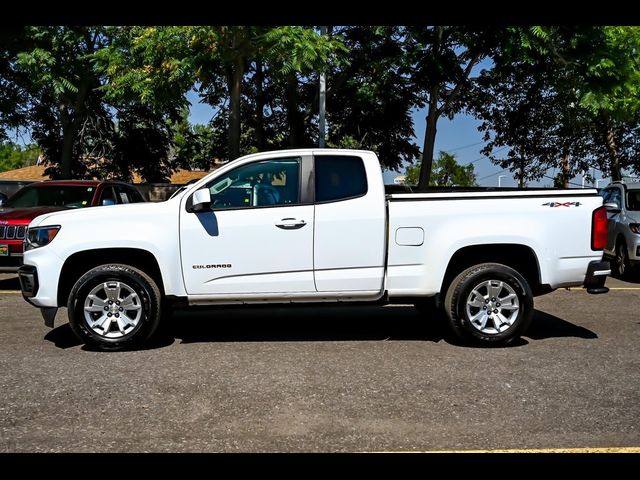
[[48, 196]]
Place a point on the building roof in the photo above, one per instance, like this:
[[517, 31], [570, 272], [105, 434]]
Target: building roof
[[36, 173]]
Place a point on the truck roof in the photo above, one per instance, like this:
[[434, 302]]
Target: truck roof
[[68, 183], [629, 185]]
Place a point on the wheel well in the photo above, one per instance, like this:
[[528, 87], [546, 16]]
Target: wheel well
[[519, 257], [79, 263]]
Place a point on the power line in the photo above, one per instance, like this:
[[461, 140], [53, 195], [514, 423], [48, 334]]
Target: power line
[[463, 147], [569, 182], [491, 175], [484, 156]]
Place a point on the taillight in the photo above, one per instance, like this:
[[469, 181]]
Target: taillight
[[599, 223]]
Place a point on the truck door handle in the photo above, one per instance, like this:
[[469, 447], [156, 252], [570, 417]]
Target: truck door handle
[[291, 224]]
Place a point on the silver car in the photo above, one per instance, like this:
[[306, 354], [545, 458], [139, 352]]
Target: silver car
[[623, 210]]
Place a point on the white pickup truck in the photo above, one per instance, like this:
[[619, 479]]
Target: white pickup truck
[[314, 225]]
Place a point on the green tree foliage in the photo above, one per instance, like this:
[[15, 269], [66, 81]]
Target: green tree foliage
[[150, 66], [564, 98], [14, 156], [111, 101], [370, 97], [194, 144], [447, 172], [294, 56], [527, 108], [52, 69], [442, 61], [605, 66], [13, 99], [245, 71], [80, 87], [147, 71]]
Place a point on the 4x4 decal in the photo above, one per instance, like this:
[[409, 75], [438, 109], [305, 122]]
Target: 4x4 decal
[[561, 204]]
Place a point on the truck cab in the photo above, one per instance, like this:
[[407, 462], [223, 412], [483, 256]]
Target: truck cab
[[296, 225]]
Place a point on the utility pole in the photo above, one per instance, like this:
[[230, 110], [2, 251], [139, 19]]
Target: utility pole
[[500, 177], [322, 102]]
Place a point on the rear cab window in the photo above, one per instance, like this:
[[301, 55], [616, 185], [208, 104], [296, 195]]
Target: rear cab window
[[339, 177]]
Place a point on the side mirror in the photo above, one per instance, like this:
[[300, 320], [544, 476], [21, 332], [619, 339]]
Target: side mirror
[[201, 200], [612, 207]]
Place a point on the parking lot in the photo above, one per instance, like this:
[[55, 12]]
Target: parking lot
[[331, 379]]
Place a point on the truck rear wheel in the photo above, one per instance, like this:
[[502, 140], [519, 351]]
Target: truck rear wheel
[[114, 307], [489, 304]]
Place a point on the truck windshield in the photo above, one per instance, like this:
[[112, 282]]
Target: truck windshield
[[73, 196]]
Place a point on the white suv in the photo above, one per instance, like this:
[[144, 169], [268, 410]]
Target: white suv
[[623, 210]]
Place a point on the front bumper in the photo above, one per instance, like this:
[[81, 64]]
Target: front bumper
[[596, 277], [10, 263], [28, 276], [634, 251]]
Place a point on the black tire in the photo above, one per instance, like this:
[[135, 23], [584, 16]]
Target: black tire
[[517, 311], [142, 294], [620, 264]]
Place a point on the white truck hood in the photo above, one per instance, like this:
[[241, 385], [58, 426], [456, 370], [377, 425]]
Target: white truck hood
[[132, 212]]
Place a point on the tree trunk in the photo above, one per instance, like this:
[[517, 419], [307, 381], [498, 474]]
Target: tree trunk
[[68, 137], [429, 139], [260, 102], [293, 114], [432, 120], [565, 170], [235, 89], [616, 170], [71, 127]]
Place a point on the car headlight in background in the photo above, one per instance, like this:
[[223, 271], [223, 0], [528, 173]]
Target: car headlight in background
[[40, 236]]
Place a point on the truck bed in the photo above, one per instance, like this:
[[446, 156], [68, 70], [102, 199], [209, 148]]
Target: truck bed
[[401, 191]]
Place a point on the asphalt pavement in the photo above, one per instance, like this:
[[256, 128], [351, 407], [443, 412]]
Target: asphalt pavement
[[330, 379]]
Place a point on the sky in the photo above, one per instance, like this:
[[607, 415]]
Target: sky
[[459, 136]]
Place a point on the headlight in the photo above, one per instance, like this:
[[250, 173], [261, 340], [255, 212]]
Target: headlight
[[40, 236]]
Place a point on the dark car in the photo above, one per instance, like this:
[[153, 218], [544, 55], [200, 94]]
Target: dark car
[[3, 198], [48, 196]]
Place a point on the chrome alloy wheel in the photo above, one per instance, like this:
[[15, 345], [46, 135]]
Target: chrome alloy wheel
[[112, 309], [492, 306]]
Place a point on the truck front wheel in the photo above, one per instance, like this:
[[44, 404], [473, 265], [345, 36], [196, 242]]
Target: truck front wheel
[[489, 303], [114, 307]]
